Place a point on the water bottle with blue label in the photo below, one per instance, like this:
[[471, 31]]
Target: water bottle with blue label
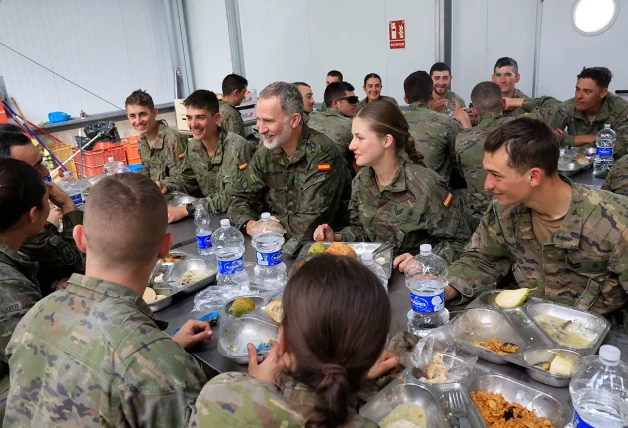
[[605, 142], [267, 238], [425, 277], [228, 244], [203, 231], [114, 167], [599, 390], [73, 189]]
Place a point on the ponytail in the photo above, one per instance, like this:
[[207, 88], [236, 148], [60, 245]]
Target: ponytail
[[411, 151], [331, 407]]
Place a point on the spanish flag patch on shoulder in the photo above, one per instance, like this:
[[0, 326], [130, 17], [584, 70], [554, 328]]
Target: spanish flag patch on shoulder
[[448, 199], [324, 166], [242, 166], [181, 155]]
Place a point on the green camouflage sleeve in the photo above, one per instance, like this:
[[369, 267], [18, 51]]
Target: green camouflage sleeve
[[547, 109], [460, 100], [620, 126], [17, 296], [182, 178], [248, 201], [355, 231], [617, 178], [484, 261], [232, 121]]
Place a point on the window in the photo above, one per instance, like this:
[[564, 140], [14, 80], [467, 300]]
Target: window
[[593, 17]]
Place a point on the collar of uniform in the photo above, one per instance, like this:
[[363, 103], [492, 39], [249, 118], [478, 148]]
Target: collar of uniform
[[487, 118], [297, 392], [18, 261], [601, 115], [398, 183], [216, 159], [417, 105], [159, 139], [82, 285], [332, 112], [279, 155], [519, 94]]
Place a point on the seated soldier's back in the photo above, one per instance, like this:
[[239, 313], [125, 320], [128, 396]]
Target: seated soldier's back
[[93, 355]]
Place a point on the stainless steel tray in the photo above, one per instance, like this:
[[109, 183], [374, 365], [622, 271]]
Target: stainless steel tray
[[534, 338], [359, 247], [574, 168]]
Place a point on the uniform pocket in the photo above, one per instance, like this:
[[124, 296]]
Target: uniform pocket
[[590, 295], [520, 277]]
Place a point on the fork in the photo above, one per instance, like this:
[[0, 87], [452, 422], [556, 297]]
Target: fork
[[458, 408]]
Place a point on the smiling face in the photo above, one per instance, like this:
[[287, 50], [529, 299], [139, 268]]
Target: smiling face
[[272, 123], [202, 123], [589, 96], [442, 81], [142, 118], [506, 78], [367, 147], [373, 88], [507, 184]]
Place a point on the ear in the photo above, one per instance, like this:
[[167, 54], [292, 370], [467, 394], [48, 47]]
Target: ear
[[536, 176], [295, 120], [33, 214], [474, 111], [405, 99], [217, 118], [388, 141], [517, 78], [164, 246], [283, 347], [493, 78], [78, 233], [604, 93], [503, 104], [155, 112]]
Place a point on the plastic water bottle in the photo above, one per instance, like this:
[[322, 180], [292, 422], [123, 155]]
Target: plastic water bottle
[[367, 260], [73, 189], [228, 245], [605, 141], [267, 237], [203, 231], [425, 277], [599, 390], [113, 167]]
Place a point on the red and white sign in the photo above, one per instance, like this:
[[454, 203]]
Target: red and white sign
[[397, 34]]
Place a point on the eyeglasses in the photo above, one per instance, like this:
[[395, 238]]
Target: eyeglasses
[[350, 99]]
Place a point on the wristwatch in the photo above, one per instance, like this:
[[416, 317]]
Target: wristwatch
[[243, 227], [190, 207]]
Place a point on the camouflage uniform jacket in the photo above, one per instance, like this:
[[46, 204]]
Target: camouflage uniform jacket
[[413, 207], [517, 111], [164, 155], [56, 252], [336, 126], [614, 111], [434, 137], [239, 400], [93, 355], [452, 97], [231, 119], [323, 106], [583, 264], [617, 178], [365, 101], [306, 117], [217, 176], [310, 189]]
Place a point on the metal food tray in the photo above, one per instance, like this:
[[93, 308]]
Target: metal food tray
[[359, 247], [483, 319], [234, 333], [574, 169], [406, 388], [174, 271]]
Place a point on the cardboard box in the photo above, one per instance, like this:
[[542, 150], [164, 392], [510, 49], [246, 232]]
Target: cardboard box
[[250, 98], [248, 114]]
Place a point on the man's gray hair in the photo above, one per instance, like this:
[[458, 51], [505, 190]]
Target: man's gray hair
[[289, 96]]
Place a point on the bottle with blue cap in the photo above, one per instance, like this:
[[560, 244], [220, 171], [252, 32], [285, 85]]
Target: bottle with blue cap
[[267, 239], [228, 244]]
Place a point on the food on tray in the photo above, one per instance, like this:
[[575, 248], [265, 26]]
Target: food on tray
[[339, 249], [317, 248], [495, 345], [499, 413], [566, 332], [149, 295], [174, 257], [274, 310], [558, 366], [436, 370], [192, 276], [402, 424], [241, 306], [512, 298], [405, 412], [581, 160]]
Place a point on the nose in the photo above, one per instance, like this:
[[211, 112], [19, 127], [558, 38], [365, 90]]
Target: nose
[[353, 146], [488, 183], [261, 127]]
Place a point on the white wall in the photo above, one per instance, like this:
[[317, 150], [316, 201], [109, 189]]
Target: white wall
[[208, 42], [110, 47], [486, 30], [304, 39]]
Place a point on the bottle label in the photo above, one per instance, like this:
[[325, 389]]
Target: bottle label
[[230, 267], [77, 199], [204, 242], [578, 422], [269, 259], [604, 151], [428, 304]]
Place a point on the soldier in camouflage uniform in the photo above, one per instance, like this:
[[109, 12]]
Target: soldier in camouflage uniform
[[233, 93], [572, 252], [415, 206], [592, 108], [160, 147], [506, 75], [332, 76], [434, 133], [308, 100], [93, 354], [617, 178], [214, 161], [373, 88], [300, 170], [55, 251], [488, 104], [442, 94]]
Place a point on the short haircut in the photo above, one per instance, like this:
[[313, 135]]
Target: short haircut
[[289, 96], [440, 66], [10, 139], [336, 90], [297, 84], [505, 62], [9, 127], [529, 143], [487, 97], [418, 87], [140, 98], [21, 189], [336, 73], [372, 76], [132, 205], [233, 82], [203, 99], [601, 75]]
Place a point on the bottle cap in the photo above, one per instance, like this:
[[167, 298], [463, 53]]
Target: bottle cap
[[367, 256], [610, 353], [265, 216], [110, 159], [225, 222], [607, 126], [425, 248]]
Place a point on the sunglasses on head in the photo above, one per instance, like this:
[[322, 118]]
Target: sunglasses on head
[[353, 99]]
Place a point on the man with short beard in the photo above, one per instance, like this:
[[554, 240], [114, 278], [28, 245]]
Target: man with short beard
[[298, 171], [441, 95]]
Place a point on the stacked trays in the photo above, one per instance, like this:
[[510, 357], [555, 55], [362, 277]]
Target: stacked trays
[[384, 259]]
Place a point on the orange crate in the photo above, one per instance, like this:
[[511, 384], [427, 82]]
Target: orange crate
[[132, 152], [94, 160], [63, 152]]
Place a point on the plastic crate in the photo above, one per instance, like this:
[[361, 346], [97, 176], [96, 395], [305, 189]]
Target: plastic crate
[[93, 161], [131, 150], [63, 152]]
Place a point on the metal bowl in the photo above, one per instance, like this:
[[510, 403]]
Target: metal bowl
[[541, 355], [237, 333], [185, 265], [457, 370], [158, 305]]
